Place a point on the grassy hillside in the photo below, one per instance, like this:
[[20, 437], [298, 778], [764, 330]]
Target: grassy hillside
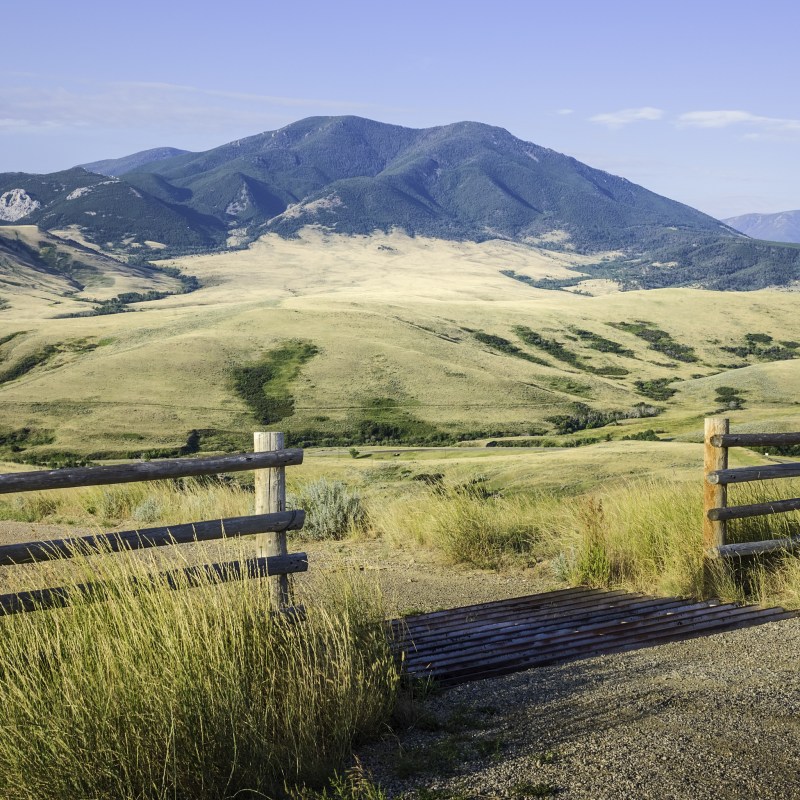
[[390, 339], [42, 274]]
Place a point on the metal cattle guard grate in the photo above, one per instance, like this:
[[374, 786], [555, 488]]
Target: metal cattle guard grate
[[482, 641]]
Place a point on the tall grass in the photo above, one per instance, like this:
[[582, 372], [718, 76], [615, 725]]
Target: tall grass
[[469, 526], [646, 536], [166, 502], [192, 694]]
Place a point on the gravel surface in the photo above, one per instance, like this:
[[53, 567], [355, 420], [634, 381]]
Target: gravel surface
[[717, 717]]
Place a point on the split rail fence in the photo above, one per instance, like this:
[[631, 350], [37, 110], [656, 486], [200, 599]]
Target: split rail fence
[[717, 512], [270, 523]]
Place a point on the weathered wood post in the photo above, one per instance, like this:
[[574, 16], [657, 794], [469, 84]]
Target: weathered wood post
[[270, 489], [715, 495]]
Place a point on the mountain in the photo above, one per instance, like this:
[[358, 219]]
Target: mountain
[[108, 211], [781, 227], [465, 181], [461, 181], [114, 167]]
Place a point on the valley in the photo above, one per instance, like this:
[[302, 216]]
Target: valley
[[385, 339]]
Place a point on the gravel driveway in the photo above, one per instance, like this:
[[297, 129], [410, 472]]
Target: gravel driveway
[[717, 717]]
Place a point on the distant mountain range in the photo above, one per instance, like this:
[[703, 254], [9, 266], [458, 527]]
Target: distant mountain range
[[354, 176], [781, 227]]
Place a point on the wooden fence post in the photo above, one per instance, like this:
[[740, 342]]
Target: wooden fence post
[[270, 489], [714, 495]]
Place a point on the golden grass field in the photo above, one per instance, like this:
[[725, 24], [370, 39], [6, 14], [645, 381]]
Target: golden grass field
[[392, 318]]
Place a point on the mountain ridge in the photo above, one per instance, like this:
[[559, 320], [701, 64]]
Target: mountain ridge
[[114, 167], [462, 181], [783, 226]]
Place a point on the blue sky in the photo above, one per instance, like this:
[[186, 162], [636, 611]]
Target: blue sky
[[695, 100]]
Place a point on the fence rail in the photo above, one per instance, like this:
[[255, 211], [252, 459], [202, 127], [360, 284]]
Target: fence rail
[[183, 577], [30, 552], [269, 524], [146, 471], [718, 476]]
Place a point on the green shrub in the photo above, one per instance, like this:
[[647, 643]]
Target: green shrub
[[658, 340], [656, 388], [333, 511], [149, 510]]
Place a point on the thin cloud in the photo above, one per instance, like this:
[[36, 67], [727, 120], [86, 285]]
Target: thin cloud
[[726, 118], [618, 119], [277, 100], [139, 105], [563, 112]]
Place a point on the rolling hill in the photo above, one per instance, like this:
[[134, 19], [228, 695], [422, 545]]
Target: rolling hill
[[461, 182], [388, 338], [107, 212]]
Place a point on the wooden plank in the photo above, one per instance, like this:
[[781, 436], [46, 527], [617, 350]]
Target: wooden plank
[[745, 549], [714, 495], [270, 491], [754, 510], [756, 440], [145, 471], [208, 530], [745, 474], [61, 596]]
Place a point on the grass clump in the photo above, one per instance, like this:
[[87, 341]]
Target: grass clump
[[467, 525], [656, 388], [333, 511], [195, 694], [729, 398], [504, 346], [646, 536], [550, 346], [28, 363], [762, 347], [600, 343], [585, 417]]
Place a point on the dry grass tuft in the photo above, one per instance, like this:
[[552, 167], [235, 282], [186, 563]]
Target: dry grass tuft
[[198, 693]]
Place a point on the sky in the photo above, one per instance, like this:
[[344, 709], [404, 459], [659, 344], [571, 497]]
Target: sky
[[696, 100]]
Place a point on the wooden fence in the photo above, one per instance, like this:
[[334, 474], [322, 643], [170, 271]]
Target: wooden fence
[[269, 523], [718, 476]]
